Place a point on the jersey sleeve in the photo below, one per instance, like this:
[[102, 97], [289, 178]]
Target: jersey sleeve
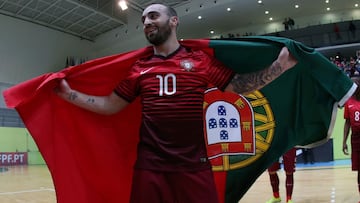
[[128, 88], [219, 74]]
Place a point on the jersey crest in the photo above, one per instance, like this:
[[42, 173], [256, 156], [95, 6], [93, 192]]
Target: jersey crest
[[187, 65], [237, 129]]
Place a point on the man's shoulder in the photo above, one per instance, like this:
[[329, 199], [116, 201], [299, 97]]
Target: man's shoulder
[[144, 59], [194, 52], [353, 102]]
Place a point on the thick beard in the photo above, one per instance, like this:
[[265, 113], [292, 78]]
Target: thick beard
[[161, 36]]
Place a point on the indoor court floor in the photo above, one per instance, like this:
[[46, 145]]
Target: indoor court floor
[[314, 183]]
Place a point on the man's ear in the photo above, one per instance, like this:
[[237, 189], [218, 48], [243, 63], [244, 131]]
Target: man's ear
[[174, 20]]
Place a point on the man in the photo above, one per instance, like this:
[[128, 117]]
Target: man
[[171, 163], [289, 159], [352, 121]]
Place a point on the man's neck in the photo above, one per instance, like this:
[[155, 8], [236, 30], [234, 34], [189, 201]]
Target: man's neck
[[167, 48]]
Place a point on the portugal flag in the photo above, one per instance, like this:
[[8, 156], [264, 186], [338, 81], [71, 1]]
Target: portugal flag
[[90, 156]]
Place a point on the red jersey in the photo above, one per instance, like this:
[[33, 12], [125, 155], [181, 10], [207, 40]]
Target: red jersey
[[352, 112], [172, 91]]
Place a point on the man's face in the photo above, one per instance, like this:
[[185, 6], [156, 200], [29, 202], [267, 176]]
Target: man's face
[[156, 22]]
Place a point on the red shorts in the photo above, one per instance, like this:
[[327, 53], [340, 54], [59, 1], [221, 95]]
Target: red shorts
[[289, 159], [173, 187]]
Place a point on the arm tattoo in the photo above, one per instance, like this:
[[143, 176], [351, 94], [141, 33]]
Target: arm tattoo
[[73, 96], [246, 83], [90, 100]]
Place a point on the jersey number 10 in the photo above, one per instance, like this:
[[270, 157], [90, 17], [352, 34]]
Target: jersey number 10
[[164, 84]]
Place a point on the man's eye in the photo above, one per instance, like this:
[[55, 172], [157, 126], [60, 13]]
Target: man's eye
[[153, 16]]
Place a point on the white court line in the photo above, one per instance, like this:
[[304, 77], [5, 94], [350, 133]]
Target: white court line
[[27, 191]]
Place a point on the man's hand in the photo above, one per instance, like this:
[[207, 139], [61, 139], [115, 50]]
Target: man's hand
[[286, 60], [345, 149], [64, 90]]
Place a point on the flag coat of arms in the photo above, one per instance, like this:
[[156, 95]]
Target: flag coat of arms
[[90, 156], [229, 124]]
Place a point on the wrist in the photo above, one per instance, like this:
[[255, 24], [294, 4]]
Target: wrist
[[278, 63], [72, 95]]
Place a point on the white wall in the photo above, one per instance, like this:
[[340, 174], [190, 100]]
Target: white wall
[[28, 50], [123, 39], [119, 41]]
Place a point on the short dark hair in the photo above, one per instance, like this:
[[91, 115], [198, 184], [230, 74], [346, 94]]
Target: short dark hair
[[171, 11]]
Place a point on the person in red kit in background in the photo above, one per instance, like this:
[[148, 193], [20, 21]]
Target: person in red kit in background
[[172, 164], [352, 121], [289, 160]]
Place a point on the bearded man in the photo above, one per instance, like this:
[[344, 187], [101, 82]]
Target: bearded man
[[172, 164]]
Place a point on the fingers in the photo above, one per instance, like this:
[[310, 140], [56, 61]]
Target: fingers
[[63, 89], [345, 150], [64, 85], [58, 88], [286, 59], [292, 60]]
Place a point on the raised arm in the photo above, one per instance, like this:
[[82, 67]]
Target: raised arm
[[107, 105], [246, 83]]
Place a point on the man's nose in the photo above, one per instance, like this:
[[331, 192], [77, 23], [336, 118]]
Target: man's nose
[[147, 21]]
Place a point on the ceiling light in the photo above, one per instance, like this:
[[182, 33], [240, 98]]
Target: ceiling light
[[199, 17], [296, 6], [266, 12], [328, 8], [356, 5], [327, 1], [228, 9], [259, 2], [212, 32], [270, 18], [123, 5]]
